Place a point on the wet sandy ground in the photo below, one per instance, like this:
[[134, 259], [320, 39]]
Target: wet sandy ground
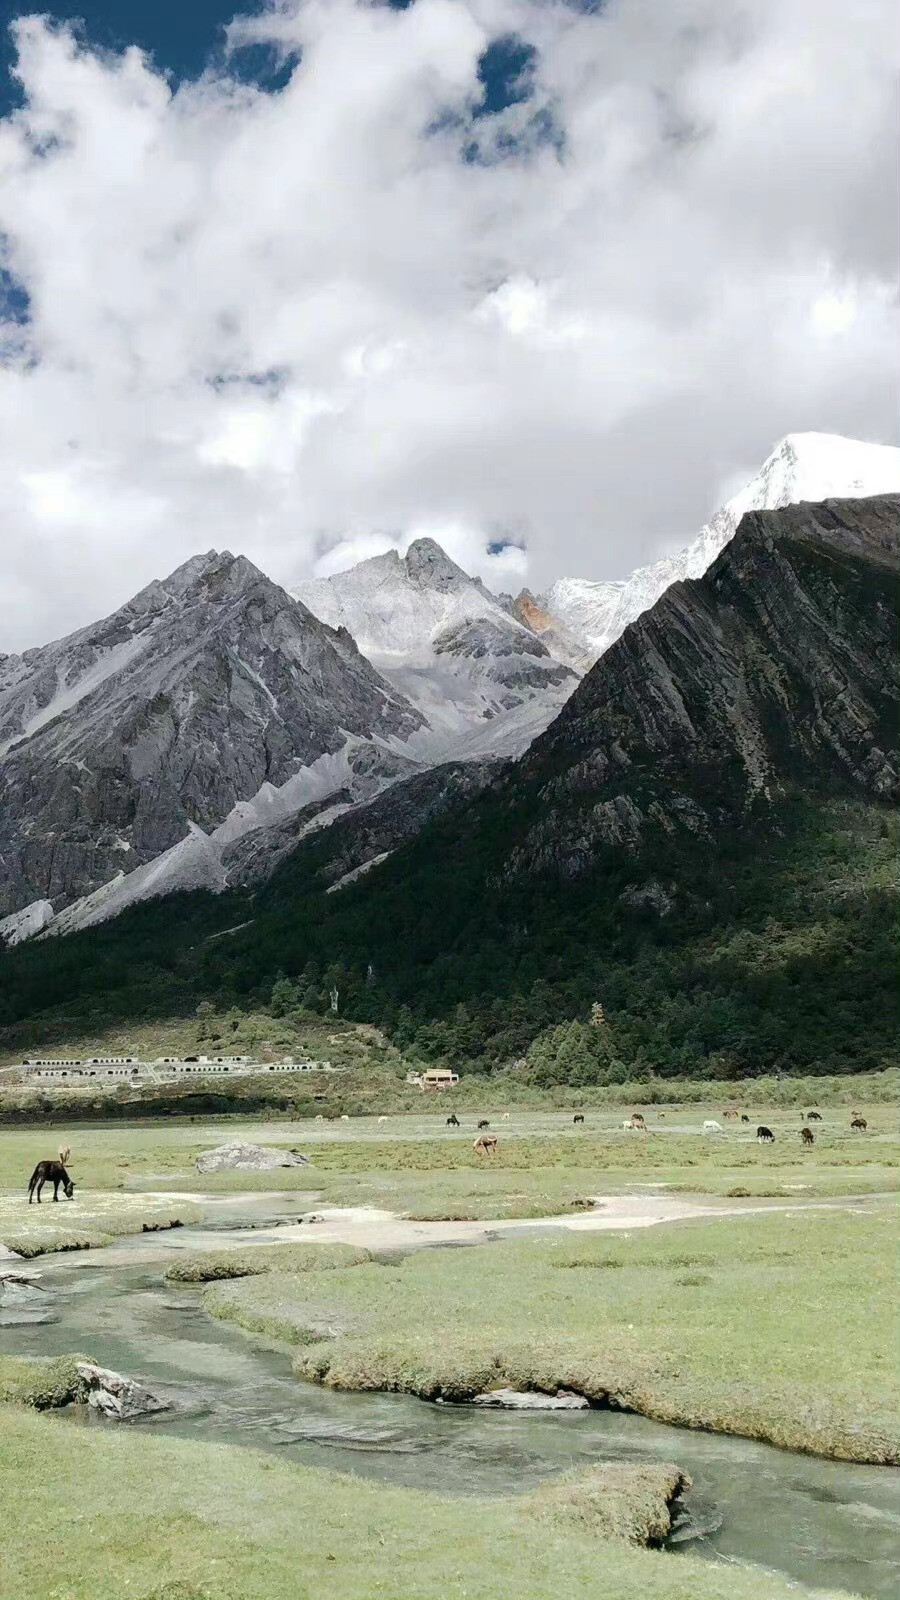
[[371, 1229]]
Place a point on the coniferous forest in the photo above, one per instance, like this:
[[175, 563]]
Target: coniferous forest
[[775, 949]]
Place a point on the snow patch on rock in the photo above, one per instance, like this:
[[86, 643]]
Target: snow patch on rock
[[25, 923]]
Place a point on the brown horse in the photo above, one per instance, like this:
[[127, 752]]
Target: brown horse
[[50, 1172]]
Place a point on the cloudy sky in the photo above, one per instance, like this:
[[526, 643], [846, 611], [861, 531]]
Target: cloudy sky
[[539, 278]]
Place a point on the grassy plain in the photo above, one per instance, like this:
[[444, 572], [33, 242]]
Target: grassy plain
[[417, 1167], [776, 1326], [114, 1513]]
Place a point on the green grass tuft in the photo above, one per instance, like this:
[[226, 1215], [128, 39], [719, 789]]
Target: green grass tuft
[[41, 1382]]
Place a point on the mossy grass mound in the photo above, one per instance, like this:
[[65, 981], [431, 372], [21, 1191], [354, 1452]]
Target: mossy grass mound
[[257, 1259], [87, 1223], [43, 1382]]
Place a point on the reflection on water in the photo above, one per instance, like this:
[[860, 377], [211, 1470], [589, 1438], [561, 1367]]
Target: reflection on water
[[824, 1523]]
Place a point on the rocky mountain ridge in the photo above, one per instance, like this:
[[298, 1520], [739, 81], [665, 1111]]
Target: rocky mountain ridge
[[201, 703], [138, 754], [778, 668]]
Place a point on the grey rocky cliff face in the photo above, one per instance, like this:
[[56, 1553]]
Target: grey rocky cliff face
[[778, 668], [516, 662], [183, 703]]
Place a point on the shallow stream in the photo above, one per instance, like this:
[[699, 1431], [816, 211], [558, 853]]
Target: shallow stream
[[823, 1523]]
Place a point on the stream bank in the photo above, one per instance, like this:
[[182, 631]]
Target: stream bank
[[820, 1522]]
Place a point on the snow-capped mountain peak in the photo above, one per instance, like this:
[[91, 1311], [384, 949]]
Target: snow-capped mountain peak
[[803, 466], [448, 645], [396, 606]]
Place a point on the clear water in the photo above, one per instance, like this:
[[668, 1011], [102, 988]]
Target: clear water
[[823, 1523]]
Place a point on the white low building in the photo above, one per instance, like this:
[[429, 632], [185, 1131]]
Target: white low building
[[56, 1069]]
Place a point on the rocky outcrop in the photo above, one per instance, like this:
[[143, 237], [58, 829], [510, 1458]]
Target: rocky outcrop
[[117, 1397], [238, 1157], [212, 689], [563, 642]]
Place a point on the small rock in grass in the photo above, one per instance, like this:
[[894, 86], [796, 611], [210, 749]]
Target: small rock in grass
[[530, 1400]]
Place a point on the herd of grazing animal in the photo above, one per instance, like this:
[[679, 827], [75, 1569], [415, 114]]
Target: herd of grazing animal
[[486, 1144], [637, 1124]]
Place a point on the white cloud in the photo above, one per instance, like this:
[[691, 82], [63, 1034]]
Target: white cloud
[[302, 326]]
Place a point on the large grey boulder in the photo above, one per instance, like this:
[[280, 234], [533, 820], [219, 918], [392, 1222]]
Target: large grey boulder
[[237, 1157], [117, 1396]]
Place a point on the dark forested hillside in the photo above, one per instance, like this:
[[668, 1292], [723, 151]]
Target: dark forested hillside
[[704, 845]]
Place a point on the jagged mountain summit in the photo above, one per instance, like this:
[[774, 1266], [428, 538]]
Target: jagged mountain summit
[[480, 676], [804, 466], [211, 702]]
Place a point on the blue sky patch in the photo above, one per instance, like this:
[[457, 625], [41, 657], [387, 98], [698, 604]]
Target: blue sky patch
[[182, 36], [506, 73], [14, 302]]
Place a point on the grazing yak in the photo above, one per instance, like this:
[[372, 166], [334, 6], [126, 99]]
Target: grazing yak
[[50, 1172], [486, 1145], [765, 1135], [578, 1117], [453, 1120], [859, 1124], [807, 1136], [814, 1116], [745, 1118], [484, 1123]]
